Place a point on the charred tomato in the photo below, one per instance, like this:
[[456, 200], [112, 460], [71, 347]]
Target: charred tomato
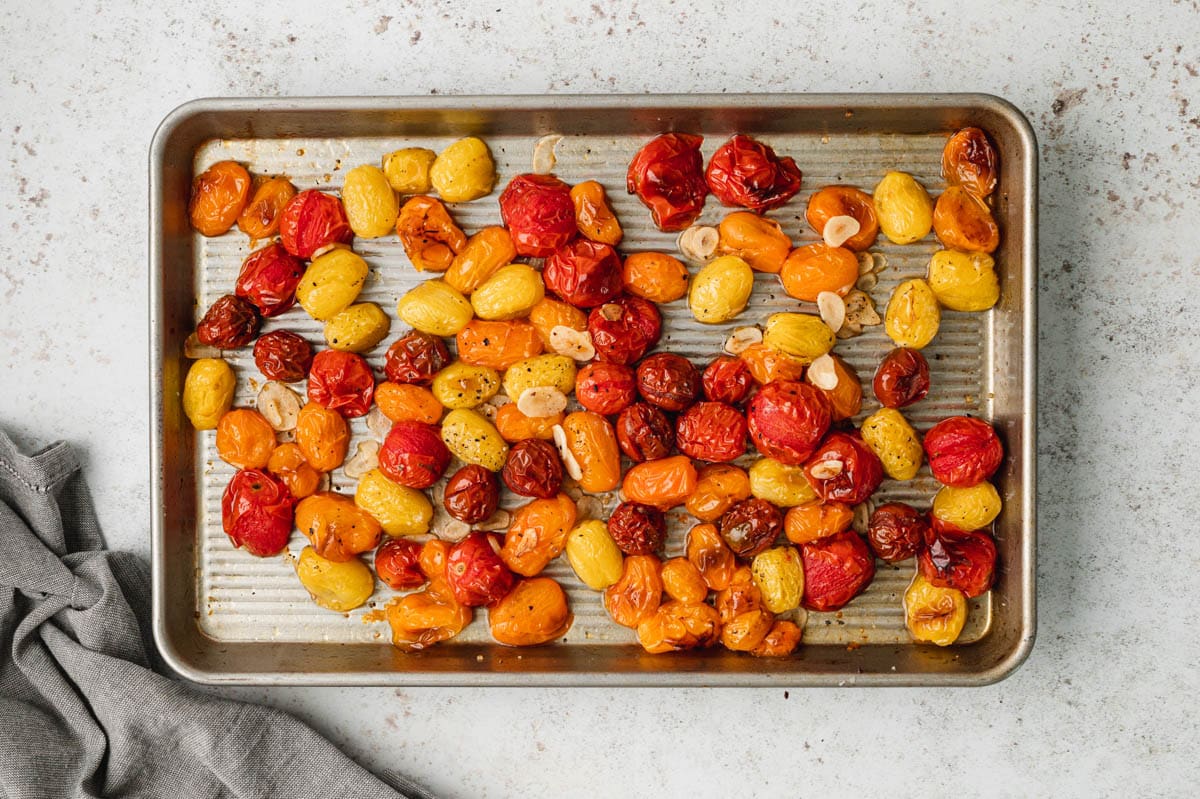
[[668, 380], [747, 173], [644, 433]]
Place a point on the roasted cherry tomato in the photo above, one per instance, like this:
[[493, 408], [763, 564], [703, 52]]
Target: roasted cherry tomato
[[746, 172], [751, 526], [677, 626], [283, 355], [538, 534], [414, 455], [959, 559], [219, 194], [229, 323], [707, 551], [533, 469], [668, 380], [268, 279], [844, 469], [256, 512], [637, 529], [429, 235], [623, 329], [336, 527], [424, 618], [902, 378], [836, 569], [719, 486], [812, 520], [711, 431], [415, 357], [963, 451], [287, 462], [845, 398], [534, 612], [969, 160], [605, 388], [637, 595], [663, 483], [342, 382], [897, 531], [475, 572], [727, 379], [312, 220], [667, 175], [644, 433], [787, 419], [594, 215], [397, 564], [583, 273], [260, 218], [245, 439], [768, 365], [539, 214], [832, 201], [471, 494]]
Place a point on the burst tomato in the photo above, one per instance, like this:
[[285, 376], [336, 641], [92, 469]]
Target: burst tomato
[[836, 569], [748, 173], [539, 214], [667, 175], [342, 382], [257, 512]]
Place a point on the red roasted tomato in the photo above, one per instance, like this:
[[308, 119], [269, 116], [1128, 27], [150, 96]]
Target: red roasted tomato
[[668, 380], [787, 419], [257, 512], [229, 323], [312, 220], [583, 273], [269, 278], [963, 451], [413, 454], [711, 431], [959, 559], [475, 572], [539, 214], [644, 433], [844, 469], [623, 329], [727, 379], [751, 526], [605, 388], [471, 494], [415, 357], [746, 172], [667, 175], [637, 529], [533, 469], [398, 564], [897, 531], [342, 382], [902, 378], [283, 355], [837, 568]]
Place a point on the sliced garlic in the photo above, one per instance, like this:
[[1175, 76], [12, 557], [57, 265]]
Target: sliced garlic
[[866, 263], [832, 309], [822, 373], [541, 401], [575, 344], [564, 452], [588, 507], [881, 261], [378, 423], [826, 470], [446, 527], [325, 483], [279, 405], [500, 520], [317, 253], [860, 310], [840, 229], [862, 516], [611, 311], [698, 243], [192, 348], [544, 158], [364, 459], [741, 339], [572, 489], [285, 436], [867, 282]]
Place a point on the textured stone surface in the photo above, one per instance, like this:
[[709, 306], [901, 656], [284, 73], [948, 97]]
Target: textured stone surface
[[1114, 94]]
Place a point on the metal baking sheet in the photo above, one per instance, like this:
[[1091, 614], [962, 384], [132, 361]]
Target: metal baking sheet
[[223, 616]]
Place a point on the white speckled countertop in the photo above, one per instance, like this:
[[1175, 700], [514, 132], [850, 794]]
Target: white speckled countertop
[[1114, 95]]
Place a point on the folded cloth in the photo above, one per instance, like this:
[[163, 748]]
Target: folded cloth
[[81, 711]]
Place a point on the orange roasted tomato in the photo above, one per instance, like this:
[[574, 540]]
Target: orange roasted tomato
[[323, 436], [407, 402], [260, 218], [663, 483], [497, 345], [654, 276], [715, 561], [245, 439], [424, 618], [963, 222], [288, 464], [337, 528], [740, 606], [593, 442], [483, 255], [397, 564], [781, 641], [637, 594], [833, 201], [768, 365], [550, 313], [534, 612], [720, 485], [845, 398], [815, 268], [538, 534], [593, 215], [515, 426], [677, 626], [755, 239], [683, 581], [429, 235], [969, 159], [219, 194], [816, 519]]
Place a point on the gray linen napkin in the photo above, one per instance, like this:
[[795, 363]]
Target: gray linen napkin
[[81, 711]]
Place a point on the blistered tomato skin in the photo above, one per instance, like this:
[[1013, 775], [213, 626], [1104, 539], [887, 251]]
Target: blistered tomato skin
[[497, 345], [902, 378], [323, 437], [833, 201], [815, 268], [645, 433], [963, 451], [539, 214], [414, 455], [538, 534], [638, 593], [638, 529], [813, 520], [897, 531], [583, 273], [260, 218], [969, 159], [593, 215], [312, 220], [429, 235], [231, 322], [682, 581], [965, 560], [668, 381], [407, 170], [964, 223], [707, 551], [727, 379], [593, 442], [677, 626], [342, 382], [844, 469], [667, 175], [836, 569], [268, 279], [424, 618], [336, 527], [370, 203], [219, 194], [396, 564], [787, 419], [475, 572], [663, 483], [256, 512], [711, 431], [485, 252], [903, 208], [654, 276], [913, 317], [288, 464], [415, 358], [719, 486], [750, 526], [768, 366], [331, 283], [533, 469], [471, 494], [605, 388], [463, 385], [781, 641], [622, 330], [245, 439], [755, 239], [282, 355], [892, 438], [747, 173], [934, 615], [535, 612]]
